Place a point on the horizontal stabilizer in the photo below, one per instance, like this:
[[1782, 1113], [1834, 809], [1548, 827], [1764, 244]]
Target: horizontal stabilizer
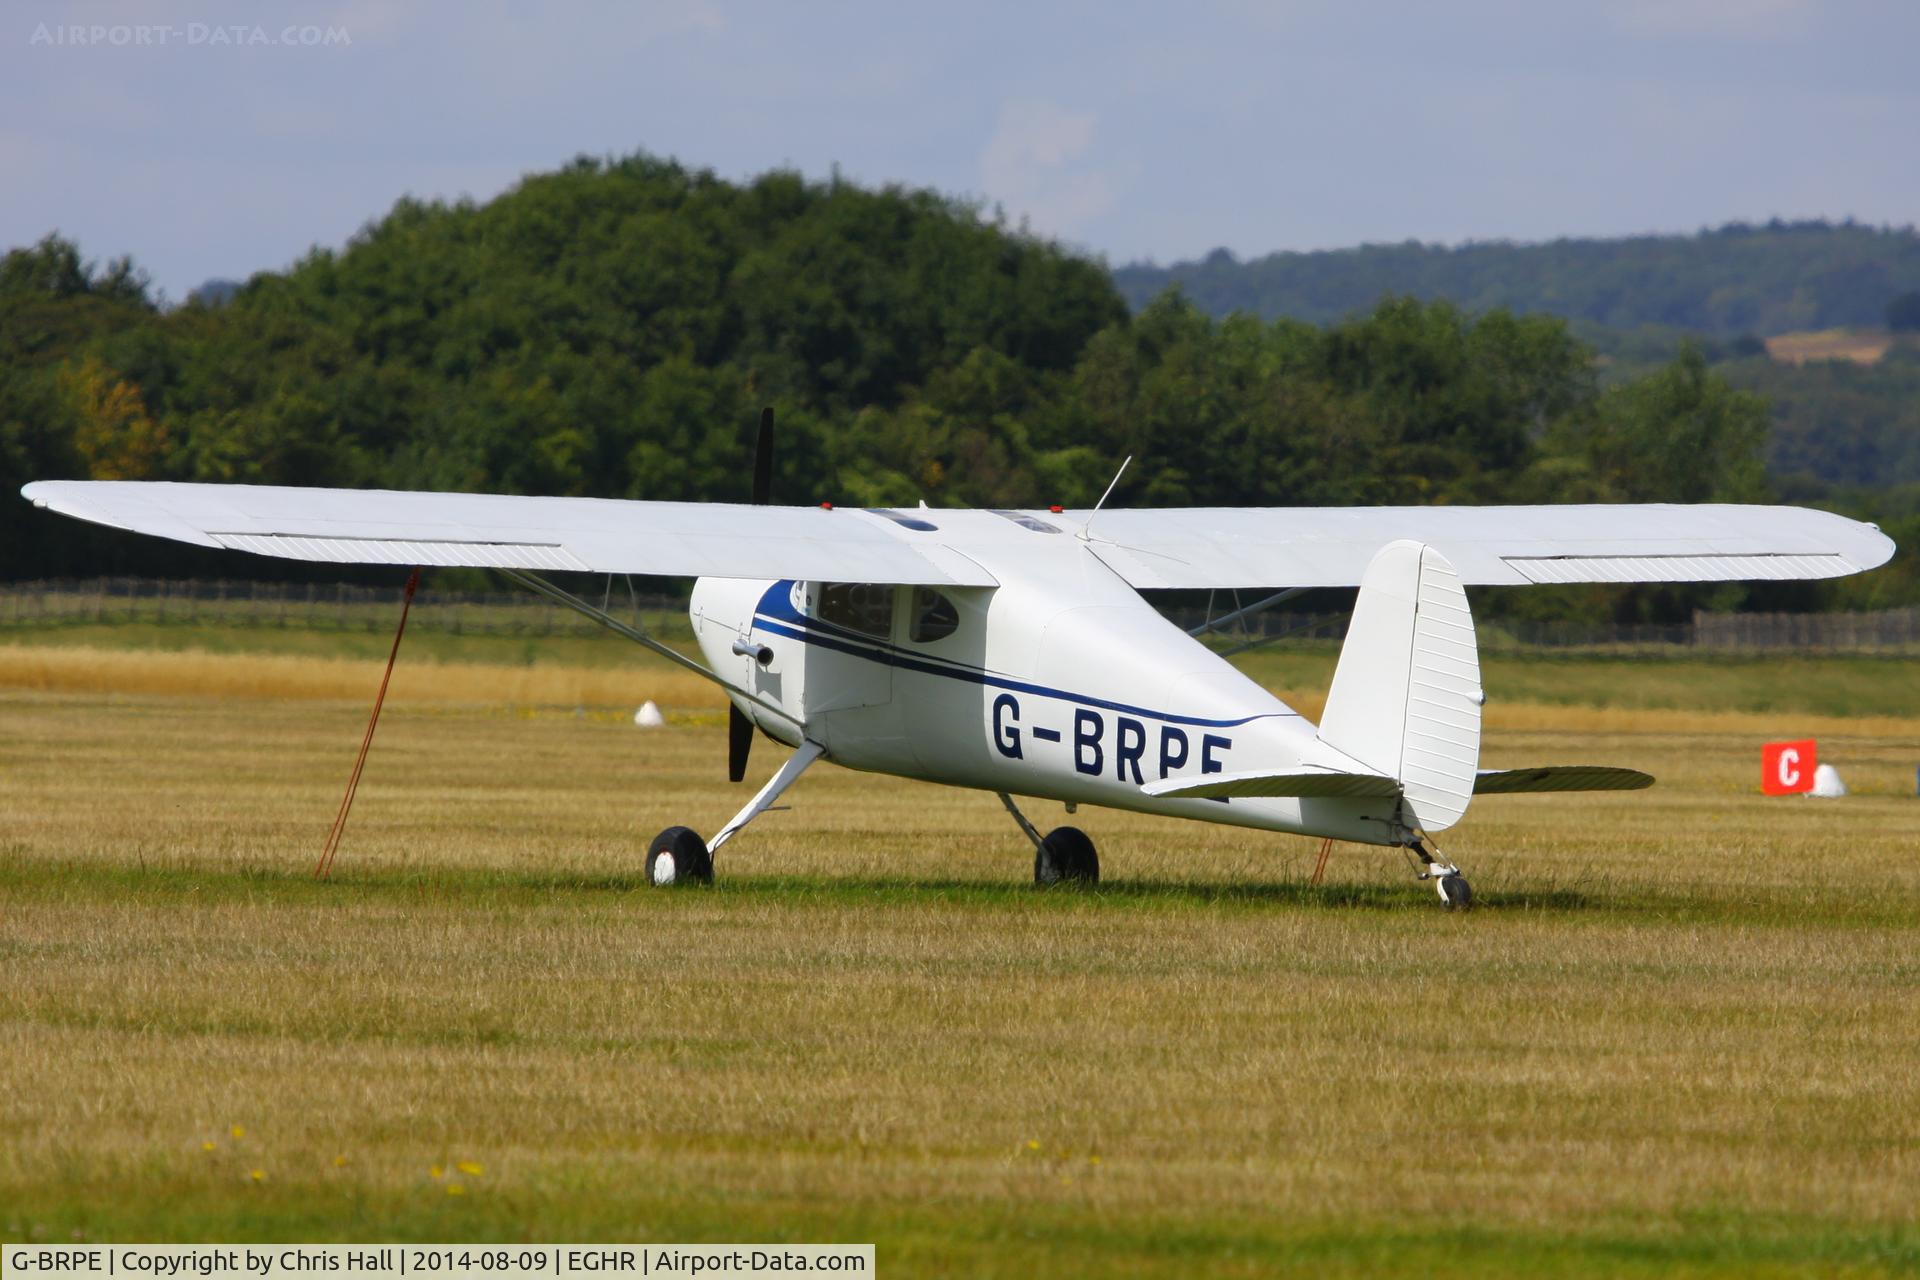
[[1559, 777], [1225, 786]]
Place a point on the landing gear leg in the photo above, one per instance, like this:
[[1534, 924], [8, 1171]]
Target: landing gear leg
[[1455, 893], [1064, 855], [679, 854], [1027, 828]]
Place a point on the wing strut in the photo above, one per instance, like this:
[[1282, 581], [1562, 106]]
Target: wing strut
[[1258, 606], [1267, 637], [533, 582]]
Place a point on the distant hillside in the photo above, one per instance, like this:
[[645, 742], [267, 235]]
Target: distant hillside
[[1840, 420], [1739, 279]]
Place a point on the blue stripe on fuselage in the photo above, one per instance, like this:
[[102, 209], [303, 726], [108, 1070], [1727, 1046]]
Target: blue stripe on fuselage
[[784, 620]]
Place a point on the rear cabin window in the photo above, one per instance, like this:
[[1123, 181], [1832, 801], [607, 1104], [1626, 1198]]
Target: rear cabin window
[[1026, 521], [866, 607], [934, 617]]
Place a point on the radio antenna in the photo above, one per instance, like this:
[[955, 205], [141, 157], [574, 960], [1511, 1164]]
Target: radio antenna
[[1103, 498]]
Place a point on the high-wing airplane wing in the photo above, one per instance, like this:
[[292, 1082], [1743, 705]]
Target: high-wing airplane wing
[[1230, 547], [501, 531], [1191, 547]]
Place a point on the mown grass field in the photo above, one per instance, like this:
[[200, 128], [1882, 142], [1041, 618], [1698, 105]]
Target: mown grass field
[[1678, 1035]]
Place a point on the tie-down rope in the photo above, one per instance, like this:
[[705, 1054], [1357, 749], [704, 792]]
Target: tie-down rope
[[324, 867]]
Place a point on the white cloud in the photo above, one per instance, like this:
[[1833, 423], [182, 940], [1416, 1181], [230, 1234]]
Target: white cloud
[[1034, 166]]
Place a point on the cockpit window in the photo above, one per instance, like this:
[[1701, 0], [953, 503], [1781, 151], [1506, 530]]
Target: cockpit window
[[866, 607], [1026, 521], [934, 617], [904, 520]]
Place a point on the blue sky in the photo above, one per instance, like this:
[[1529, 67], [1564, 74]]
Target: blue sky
[[1149, 131]]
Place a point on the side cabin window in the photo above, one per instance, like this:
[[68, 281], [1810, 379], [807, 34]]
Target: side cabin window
[[933, 616], [865, 607]]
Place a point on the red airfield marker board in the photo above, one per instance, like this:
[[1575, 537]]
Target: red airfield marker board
[[1786, 768]]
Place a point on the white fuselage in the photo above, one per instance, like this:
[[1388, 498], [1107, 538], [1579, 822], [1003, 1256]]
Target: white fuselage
[[1061, 682]]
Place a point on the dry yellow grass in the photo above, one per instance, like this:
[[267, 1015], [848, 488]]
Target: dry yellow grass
[[303, 677], [290, 677], [1678, 1035]]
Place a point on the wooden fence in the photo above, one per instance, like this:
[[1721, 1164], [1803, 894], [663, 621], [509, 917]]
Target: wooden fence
[[1879, 631]]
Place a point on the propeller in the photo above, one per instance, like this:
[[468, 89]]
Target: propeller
[[739, 728]]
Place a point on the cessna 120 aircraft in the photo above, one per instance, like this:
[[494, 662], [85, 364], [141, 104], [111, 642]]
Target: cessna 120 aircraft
[[1011, 651]]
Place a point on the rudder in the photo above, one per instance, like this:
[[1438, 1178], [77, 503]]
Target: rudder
[[1406, 694]]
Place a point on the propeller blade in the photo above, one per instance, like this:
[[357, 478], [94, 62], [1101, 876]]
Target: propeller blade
[[763, 460], [739, 742], [739, 728]]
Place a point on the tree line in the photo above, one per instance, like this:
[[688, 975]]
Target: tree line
[[610, 329]]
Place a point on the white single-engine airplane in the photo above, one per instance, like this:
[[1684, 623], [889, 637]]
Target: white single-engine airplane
[[1011, 651]]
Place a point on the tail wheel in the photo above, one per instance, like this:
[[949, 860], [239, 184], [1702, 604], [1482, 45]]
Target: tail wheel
[[1455, 892], [678, 855], [1067, 855]]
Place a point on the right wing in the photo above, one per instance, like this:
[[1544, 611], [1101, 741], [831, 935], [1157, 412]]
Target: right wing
[[507, 531]]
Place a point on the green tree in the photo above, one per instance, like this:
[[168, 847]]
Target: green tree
[[1903, 313], [1681, 434]]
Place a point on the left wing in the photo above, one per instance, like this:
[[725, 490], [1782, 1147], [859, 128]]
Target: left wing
[[1233, 547]]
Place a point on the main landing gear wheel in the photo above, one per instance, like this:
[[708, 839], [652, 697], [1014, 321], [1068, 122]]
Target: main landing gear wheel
[[1455, 892], [1066, 856], [679, 856]]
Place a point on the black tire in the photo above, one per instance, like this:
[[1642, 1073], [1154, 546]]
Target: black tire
[[680, 856], [1456, 892], [1066, 856]]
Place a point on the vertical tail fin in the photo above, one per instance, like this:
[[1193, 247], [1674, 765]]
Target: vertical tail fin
[[1406, 695]]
